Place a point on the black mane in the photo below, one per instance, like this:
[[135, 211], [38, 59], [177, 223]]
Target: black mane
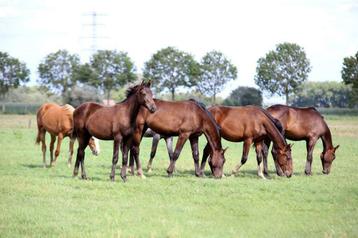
[[203, 107]]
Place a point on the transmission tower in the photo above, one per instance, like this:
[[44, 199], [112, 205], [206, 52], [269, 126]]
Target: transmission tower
[[94, 36]]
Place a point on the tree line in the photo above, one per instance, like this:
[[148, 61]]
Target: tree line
[[282, 71]]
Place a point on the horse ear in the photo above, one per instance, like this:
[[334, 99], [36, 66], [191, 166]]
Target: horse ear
[[149, 83], [335, 148]]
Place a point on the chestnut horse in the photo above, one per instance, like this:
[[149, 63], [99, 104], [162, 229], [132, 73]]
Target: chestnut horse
[[305, 124], [250, 124], [57, 121], [156, 138], [187, 120], [115, 123]]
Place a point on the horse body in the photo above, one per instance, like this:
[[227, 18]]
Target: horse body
[[306, 124], [250, 124], [187, 120], [57, 121], [111, 123]]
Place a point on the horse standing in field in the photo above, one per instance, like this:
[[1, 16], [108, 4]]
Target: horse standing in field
[[304, 124], [187, 120], [57, 121], [115, 123], [156, 138], [251, 124]]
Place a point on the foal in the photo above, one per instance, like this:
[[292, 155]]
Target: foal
[[115, 123], [250, 124], [187, 120], [57, 121], [304, 124]]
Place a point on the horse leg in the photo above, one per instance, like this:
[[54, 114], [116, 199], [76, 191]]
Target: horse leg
[[137, 161], [279, 171], [116, 143], [195, 152], [309, 146], [70, 153], [82, 144], [259, 158], [179, 146], [206, 153], [58, 148], [125, 148], [155, 142], [43, 146], [265, 150], [245, 153], [52, 143]]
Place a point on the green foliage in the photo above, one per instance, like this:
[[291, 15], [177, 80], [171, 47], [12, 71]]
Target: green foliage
[[38, 202], [191, 95], [56, 72], [322, 94], [170, 68], [24, 94], [216, 71], [12, 73], [283, 70], [243, 96], [108, 70], [350, 76], [83, 93]]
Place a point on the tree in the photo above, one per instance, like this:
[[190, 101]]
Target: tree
[[216, 71], [12, 73], [322, 94], [108, 70], [350, 76], [282, 71], [243, 96], [84, 93], [170, 68], [57, 72]]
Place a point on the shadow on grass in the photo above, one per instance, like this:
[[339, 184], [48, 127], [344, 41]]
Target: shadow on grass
[[34, 166]]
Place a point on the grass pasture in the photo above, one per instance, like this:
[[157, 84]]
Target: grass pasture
[[38, 202]]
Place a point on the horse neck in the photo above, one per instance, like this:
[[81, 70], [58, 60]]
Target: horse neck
[[133, 107], [212, 134], [327, 139], [275, 135]]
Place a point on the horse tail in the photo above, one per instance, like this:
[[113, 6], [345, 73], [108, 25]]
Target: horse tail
[[38, 137]]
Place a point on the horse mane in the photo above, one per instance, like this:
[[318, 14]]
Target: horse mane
[[276, 122], [132, 90], [68, 109], [203, 107]]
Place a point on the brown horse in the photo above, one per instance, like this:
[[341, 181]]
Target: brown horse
[[57, 121], [250, 124], [115, 123], [187, 120], [156, 138], [305, 124]]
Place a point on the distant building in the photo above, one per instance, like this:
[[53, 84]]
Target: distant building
[[109, 102]]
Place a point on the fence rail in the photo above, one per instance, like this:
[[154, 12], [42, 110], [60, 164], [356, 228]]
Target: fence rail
[[18, 108]]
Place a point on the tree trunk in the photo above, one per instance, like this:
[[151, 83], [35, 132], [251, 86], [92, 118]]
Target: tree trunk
[[286, 98], [214, 98], [108, 96], [173, 94]]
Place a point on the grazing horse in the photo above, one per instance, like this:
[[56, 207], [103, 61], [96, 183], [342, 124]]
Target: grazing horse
[[57, 120], [250, 124], [305, 124], [115, 123], [156, 138], [187, 120]]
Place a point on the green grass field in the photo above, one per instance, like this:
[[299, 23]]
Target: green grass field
[[38, 202]]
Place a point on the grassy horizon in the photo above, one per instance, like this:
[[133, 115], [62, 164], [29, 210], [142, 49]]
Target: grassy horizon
[[38, 202]]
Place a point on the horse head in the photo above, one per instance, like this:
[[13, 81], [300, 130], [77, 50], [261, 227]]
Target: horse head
[[216, 162], [327, 158], [145, 96], [284, 159]]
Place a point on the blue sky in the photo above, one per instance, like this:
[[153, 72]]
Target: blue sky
[[242, 30]]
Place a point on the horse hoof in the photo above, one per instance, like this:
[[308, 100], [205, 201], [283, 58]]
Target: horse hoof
[[170, 175], [124, 178], [308, 173], [142, 176], [84, 177], [149, 170]]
